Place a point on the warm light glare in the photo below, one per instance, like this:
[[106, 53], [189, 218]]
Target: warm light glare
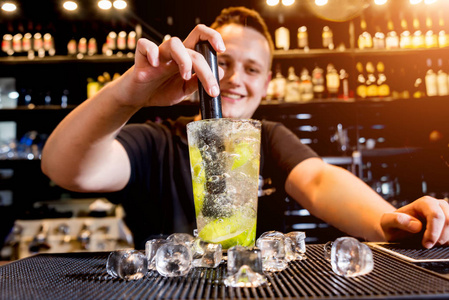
[[272, 2], [413, 2], [8, 6], [380, 2], [70, 5], [288, 2], [320, 2], [120, 4], [429, 1], [104, 4]]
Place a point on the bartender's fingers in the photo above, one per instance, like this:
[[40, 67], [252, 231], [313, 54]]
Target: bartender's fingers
[[204, 74], [397, 225], [437, 229], [147, 52], [174, 50], [203, 33]]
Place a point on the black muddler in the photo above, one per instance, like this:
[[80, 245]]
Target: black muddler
[[211, 109], [210, 106]]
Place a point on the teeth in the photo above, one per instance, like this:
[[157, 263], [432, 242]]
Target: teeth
[[232, 96]]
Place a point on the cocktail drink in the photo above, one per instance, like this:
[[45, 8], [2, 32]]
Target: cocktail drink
[[224, 161]]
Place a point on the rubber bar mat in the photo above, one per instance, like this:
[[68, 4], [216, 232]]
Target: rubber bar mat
[[415, 253], [84, 276]]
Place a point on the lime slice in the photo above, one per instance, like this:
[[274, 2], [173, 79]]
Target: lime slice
[[243, 153], [198, 178], [230, 232]]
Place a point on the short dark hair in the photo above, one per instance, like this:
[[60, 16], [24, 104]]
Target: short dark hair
[[245, 17]]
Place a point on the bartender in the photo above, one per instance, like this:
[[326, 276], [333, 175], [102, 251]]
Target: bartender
[[145, 166]]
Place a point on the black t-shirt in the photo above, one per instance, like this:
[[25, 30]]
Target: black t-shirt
[[158, 198]]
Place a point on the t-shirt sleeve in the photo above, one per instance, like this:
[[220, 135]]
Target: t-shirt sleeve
[[137, 141], [285, 147]]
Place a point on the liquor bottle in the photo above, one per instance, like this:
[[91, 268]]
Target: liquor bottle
[[344, 85], [382, 85], [7, 44], [306, 86], [38, 44], [121, 42], [443, 35], [419, 89], [279, 84], [328, 38], [72, 47], [365, 40], [82, 47], [131, 42], [92, 48], [442, 80], [431, 38], [292, 92], [371, 82], [392, 39], [49, 44], [431, 80], [318, 82], [332, 81], [303, 38], [111, 42], [361, 82], [405, 40], [379, 39], [418, 40], [282, 38]]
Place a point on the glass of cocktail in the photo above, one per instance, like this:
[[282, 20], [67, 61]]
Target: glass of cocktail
[[224, 161]]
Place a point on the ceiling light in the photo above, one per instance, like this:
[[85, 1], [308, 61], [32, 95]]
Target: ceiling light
[[9, 6], [272, 2], [429, 1], [288, 2], [380, 2], [120, 4], [70, 5], [413, 2], [320, 2], [104, 4]]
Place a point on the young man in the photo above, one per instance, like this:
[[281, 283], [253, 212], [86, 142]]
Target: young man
[[147, 164]]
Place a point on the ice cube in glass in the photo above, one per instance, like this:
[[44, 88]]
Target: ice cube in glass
[[127, 264], [173, 259]]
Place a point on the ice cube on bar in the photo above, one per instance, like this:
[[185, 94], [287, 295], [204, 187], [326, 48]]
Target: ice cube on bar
[[244, 267], [173, 259], [127, 264]]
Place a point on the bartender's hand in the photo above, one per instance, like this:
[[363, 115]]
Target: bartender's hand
[[410, 219], [162, 76]]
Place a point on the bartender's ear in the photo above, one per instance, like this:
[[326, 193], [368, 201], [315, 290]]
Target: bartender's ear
[[266, 84]]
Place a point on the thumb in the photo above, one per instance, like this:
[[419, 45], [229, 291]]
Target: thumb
[[402, 222]]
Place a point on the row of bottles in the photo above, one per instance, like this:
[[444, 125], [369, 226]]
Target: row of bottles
[[373, 82], [429, 37], [35, 41], [30, 45], [93, 86], [318, 84], [282, 38], [116, 44]]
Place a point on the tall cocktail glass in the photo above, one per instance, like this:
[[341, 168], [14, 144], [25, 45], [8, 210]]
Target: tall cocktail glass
[[224, 161]]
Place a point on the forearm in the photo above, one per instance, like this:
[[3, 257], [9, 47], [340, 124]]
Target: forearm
[[341, 199], [78, 150]]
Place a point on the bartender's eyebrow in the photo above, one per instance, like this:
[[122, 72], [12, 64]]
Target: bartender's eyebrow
[[251, 61]]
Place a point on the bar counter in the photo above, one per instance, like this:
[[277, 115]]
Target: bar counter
[[84, 276]]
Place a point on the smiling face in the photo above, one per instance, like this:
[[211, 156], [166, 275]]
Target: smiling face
[[246, 65]]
